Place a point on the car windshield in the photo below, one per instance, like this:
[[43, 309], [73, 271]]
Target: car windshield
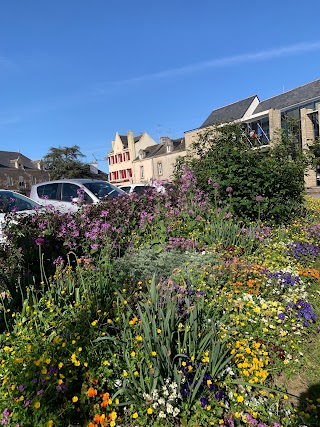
[[141, 189], [103, 189], [13, 202]]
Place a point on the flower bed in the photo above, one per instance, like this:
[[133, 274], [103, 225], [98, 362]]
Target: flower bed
[[215, 340]]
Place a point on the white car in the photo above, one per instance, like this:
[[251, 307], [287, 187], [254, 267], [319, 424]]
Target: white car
[[141, 188], [11, 201], [68, 194]]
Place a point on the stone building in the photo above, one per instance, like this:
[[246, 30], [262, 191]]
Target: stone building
[[262, 119], [18, 172]]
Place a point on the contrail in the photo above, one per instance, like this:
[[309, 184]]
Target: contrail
[[226, 61]]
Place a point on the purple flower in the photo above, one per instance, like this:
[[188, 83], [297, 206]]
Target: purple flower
[[21, 388], [229, 189], [39, 241], [7, 412], [215, 185], [204, 402], [281, 316], [259, 198], [4, 421], [27, 402]]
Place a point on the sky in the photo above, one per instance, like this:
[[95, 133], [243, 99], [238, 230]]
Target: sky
[[75, 72]]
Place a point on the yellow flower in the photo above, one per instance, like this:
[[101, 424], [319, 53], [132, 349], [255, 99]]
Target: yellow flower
[[159, 331], [125, 373], [135, 415], [149, 411], [240, 399], [139, 338], [37, 404], [133, 354], [50, 423], [113, 416], [136, 373], [94, 322], [75, 399]]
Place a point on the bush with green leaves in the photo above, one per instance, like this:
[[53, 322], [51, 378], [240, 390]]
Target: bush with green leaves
[[274, 175]]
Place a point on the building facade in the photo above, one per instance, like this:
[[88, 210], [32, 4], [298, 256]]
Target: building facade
[[124, 151], [262, 119], [156, 162], [19, 173]]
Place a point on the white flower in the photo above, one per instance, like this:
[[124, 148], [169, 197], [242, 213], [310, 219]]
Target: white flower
[[169, 408], [176, 412], [161, 401], [118, 383], [162, 415]]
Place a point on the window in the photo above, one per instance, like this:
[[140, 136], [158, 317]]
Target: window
[[168, 148], [69, 192], [315, 122], [48, 191], [159, 168], [21, 181], [9, 181], [141, 172], [128, 155], [142, 154], [318, 175], [34, 180], [129, 173]]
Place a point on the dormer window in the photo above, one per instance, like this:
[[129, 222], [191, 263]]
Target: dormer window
[[169, 148], [142, 154]]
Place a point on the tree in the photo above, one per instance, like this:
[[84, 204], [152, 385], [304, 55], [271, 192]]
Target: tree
[[63, 162], [224, 156]]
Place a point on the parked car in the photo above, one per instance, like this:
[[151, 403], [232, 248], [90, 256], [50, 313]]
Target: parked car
[[141, 188], [69, 194], [11, 201], [134, 188]]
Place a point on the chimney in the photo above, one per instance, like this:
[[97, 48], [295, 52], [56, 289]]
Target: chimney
[[131, 145]]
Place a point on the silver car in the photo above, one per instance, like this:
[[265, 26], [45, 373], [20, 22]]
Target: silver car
[[68, 194]]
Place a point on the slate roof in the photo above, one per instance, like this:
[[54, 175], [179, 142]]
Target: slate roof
[[229, 113], [124, 140], [160, 149], [6, 156], [301, 94]]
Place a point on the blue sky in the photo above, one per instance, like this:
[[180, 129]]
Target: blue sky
[[75, 72]]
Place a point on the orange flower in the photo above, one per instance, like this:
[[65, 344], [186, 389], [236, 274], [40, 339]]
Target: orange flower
[[93, 381], [92, 392], [97, 418], [106, 396]]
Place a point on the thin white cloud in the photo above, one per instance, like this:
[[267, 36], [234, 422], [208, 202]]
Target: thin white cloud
[[5, 62], [263, 55]]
